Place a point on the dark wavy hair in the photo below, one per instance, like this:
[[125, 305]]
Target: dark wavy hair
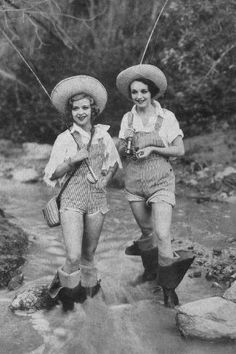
[[152, 88], [94, 108]]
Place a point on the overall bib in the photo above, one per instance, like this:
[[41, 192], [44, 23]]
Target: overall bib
[[80, 194], [150, 179]]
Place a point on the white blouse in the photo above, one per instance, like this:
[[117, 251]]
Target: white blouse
[[169, 129], [65, 147]]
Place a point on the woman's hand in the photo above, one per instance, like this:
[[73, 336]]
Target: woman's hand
[[143, 153], [80, 156], [102, 182]]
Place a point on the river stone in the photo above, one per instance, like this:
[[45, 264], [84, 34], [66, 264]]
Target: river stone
[[230, 293], [212, 318], [37, 151], [26, 175], [32, 299]]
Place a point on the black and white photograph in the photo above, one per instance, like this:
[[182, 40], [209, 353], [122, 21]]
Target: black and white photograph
[[117, 177]]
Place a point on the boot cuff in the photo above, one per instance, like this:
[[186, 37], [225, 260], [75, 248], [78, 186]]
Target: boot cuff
[[146, 243], [88, 276], [69, 280]]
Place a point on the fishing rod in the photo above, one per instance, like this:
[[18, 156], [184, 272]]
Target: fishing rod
[[92, 178], [152, 31]]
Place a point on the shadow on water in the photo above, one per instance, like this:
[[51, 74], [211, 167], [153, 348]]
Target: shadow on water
[[126, 316]]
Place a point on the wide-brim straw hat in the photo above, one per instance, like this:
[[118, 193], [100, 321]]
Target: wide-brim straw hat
[[75, 85], [141, 71]]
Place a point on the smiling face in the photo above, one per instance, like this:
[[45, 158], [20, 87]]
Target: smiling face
[[81, 112], [140, 94]]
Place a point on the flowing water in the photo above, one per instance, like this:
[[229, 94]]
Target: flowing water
[[126, 316]]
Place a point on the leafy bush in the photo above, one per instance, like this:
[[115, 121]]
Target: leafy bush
[[193, 44]]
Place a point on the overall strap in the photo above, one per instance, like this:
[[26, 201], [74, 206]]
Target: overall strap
[[159, 122], [130, 120]]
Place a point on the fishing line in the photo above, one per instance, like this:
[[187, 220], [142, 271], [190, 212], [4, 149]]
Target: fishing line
[[153, 29], [26, 63], [91, 175]]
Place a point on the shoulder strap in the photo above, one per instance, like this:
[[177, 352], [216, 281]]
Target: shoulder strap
[[66, 182], [130, 120]]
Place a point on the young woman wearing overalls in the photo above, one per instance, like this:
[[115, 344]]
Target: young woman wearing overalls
[[83, 204], [155, 135]]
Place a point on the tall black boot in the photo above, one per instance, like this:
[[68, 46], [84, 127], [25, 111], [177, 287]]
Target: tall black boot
[[137, 246], [64, 287], [150, 264], [170, 276]]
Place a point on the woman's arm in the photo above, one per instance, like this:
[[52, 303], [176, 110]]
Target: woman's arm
[[175, 149], [69, 164], [102, 183]]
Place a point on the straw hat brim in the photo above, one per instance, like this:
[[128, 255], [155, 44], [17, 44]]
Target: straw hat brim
[[144, 71], [74, 85]]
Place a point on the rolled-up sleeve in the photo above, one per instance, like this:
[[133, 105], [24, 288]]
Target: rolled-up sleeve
[[111, 154], [57, 157], [123, 127], [173, 128]]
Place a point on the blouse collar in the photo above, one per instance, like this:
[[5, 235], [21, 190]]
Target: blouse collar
[[100, 129], [157, 106]]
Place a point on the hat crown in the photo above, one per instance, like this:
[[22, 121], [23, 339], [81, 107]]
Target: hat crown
[[145, 71], [74, 85]]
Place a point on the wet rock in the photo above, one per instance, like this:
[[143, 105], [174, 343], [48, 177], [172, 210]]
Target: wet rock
[[230, 293], [26, 175], [16, 282], [216, 285], [13, 243], [32, 299], [37, 151], [209, 319], [227, 171], [231, 239], [193, 182], [196, 274], [217, 251]]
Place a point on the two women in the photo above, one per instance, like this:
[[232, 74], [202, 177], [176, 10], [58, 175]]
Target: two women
[[80, 150], [149, 136]]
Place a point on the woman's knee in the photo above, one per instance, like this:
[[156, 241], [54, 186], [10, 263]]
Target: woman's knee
[[73, 259]]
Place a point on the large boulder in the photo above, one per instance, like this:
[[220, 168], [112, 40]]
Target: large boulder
[[26, 175], [230, 293], [213, 318]]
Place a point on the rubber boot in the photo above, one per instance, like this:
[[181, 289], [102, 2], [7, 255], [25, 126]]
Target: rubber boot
[[170, 276], [133, 250], [150, 264], [89, 282], [64, 287], [137, 246], [149, 256]]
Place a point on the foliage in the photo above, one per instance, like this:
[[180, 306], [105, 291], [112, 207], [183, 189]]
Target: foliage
[[193, 44]]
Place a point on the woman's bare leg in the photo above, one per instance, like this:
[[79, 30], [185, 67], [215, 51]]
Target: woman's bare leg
[[73, 229], [93, 227], [161, 218], [143, 216]]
